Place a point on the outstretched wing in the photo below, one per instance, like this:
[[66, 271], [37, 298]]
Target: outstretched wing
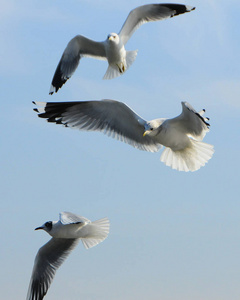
[[192, 122], [111, 117], [48, 259], [70, 218], [79, 46], [147, 13]]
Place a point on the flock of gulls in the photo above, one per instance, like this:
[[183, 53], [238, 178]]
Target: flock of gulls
[[181, 136]]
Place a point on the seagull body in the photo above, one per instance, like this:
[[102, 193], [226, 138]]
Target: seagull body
[[167, 134], [182, 136], [66, 234], [113, 48]]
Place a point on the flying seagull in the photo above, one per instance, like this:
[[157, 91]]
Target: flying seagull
[[66, 234], [113, 48], [182, 136]]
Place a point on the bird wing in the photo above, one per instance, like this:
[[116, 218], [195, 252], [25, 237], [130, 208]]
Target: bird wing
[[147, 13], [111, 117], [48, 259], [191, 122], [78, 47], [70, 218]]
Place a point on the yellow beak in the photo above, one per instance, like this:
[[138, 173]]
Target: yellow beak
[[145, 132]]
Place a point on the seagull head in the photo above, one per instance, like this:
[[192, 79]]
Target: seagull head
[[46, 226], [151, 128], [113, 38]]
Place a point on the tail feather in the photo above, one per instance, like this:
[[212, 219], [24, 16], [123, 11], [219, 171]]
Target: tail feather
[[184, 165], [112, 72], [95, 232], [191, 158], [113, 69], [180, 163], [130, 57]]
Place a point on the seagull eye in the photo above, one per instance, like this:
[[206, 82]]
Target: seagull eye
[[151, 129], [48, 224]]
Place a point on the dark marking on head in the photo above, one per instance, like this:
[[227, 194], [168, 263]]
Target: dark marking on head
[[48, 225]]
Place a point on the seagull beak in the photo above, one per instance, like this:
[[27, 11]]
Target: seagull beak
[[38, 228], [110, 38], [145, 132]]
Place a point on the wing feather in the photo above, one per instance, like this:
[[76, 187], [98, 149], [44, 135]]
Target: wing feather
[[191, 122], [147, 13], [111, 117], [70, 218], [48, 259], [78, 47]]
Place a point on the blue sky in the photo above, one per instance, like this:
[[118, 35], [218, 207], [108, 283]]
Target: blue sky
[[173, 235]]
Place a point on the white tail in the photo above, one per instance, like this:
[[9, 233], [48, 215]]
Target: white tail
[[189, 159], [130, 57], [113, 70], [95, 232]]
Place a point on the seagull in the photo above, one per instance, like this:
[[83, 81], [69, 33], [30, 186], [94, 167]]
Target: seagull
[[66, 234], [113, 48], [182, 136]]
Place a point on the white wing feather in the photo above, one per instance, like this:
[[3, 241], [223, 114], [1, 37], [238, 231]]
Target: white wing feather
[[147, 13], [191, 122], [111, 117], [70, 218], [48, 259]]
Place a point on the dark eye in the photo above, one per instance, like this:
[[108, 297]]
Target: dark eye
[[151, 129], [48, 225]]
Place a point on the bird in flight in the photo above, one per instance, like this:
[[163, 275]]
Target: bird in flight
[[182, 136], [113, 48], [66, 234]]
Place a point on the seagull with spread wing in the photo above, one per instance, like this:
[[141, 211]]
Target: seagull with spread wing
[[113, 48], [66, 234], [182, 136]]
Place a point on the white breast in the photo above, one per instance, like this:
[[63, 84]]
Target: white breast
[[116, 53]]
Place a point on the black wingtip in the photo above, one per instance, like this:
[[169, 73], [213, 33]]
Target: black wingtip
[[35, 109], [58, 80], [57, 84], [179, 8], [203, 119], [188, 106]]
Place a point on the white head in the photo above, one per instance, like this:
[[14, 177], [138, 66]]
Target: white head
[[113, 38], [152, 128]]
